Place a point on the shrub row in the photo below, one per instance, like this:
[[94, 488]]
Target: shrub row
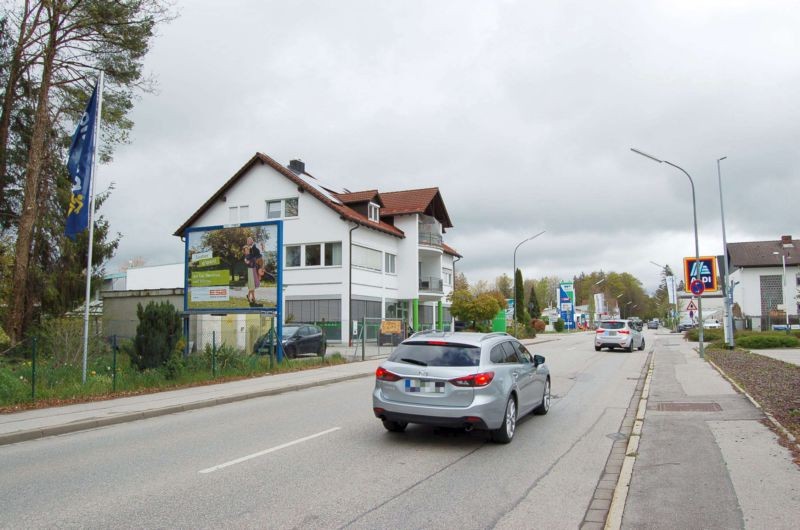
[[749, 339]]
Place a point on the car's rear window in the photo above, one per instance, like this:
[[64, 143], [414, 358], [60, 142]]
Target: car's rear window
[[425, 354], [612, 325]]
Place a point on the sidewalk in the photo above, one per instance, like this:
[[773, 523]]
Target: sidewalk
[[704, 459], [786, 355], [38, 423]]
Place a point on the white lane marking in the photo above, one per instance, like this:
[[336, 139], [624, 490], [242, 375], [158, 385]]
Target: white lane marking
[[267, 451]]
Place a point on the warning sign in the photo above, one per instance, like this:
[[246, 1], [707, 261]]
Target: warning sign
[[691, 306]]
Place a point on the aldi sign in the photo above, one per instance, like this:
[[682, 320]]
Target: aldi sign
[[705, 267]]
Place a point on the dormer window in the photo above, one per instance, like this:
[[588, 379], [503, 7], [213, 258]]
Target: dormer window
[[374, 212]]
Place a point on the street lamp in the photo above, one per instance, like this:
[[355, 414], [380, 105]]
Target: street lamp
[[696, 242], [516, 302], [783, 291], [728, 300], [628, 310]]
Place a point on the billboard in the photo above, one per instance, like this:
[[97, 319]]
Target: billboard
[[706, 266], [234, 268]]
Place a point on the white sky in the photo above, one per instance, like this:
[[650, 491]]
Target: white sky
[[522, 113]]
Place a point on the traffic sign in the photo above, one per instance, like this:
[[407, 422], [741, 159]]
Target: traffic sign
[[705, 267], [697, 287], [691, 306]]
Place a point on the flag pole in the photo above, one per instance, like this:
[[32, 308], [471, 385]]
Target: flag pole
[[100, 83]]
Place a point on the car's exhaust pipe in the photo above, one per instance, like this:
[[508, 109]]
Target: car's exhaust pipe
[[468, 427]]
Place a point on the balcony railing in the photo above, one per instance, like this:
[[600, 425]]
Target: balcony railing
[[431, 284], [430, 240]]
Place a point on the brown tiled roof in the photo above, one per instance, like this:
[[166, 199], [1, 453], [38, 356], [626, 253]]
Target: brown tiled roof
[[360, 196], [260, 158], [760, 253], [450, 250], [427, 200]]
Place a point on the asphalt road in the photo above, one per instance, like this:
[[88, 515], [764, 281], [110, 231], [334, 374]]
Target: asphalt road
[[318, 458]]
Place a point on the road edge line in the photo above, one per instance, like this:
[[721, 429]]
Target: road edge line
[[615, 512]]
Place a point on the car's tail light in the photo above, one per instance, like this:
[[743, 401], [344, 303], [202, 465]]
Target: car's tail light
[[624, 332], [383, 374], [481, 379], [600, 331], [437, 342]]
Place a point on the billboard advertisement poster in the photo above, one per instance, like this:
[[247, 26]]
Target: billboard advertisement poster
[[234, 268]]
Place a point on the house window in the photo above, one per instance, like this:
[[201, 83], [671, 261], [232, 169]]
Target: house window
[[293, 256], [447, 276], [391, 260], [333, 254], [282, 208], [374, 212], [367, 258], [290, 207], [313, 255], [238, 214]]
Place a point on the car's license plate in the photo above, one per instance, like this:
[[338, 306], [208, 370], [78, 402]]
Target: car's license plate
[[424, 387], [612, 333]]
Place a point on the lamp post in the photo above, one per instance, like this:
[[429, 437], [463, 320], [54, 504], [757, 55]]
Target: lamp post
[[696, 242], [783, 291], [728, 300], [597, 311], [628, 310], [514, 275]]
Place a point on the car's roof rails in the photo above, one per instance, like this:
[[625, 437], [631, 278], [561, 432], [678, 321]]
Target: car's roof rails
[[495, 334]]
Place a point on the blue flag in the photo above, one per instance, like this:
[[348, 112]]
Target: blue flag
[[79, 165]]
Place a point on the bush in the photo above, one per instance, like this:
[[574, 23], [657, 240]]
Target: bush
[[709, 335], [777, 340], [157, 334], [5, 341], [559, 325], [538, 325]]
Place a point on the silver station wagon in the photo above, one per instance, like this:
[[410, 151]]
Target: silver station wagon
[[463, 380], [622, 333]]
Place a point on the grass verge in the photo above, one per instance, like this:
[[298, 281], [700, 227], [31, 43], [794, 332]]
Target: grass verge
[[773, 383]]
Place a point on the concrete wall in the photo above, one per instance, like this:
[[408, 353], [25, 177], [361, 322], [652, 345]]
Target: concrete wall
[[119, 308]]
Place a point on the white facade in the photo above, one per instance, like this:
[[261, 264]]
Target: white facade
[[748, 291], [155, 277], [394, 271]]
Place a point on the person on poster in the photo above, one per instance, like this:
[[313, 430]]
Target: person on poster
[[255, 262]]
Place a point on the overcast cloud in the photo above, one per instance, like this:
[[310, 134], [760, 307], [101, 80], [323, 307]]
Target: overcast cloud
[[522, 113]]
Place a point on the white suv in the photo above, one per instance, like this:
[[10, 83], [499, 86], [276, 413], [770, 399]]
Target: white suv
[[618, 334]]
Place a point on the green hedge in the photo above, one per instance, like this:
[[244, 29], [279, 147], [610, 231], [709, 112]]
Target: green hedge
[[750, 339], [771, 340]]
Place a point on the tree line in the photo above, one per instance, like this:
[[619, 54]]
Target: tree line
[[51, 53], [622, 292]]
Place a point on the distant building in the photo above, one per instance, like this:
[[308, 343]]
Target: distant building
[[760, 268]]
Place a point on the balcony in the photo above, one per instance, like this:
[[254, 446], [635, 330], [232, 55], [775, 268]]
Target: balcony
[[431, 285], [429, 239]]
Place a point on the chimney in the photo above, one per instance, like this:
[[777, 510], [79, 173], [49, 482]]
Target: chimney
[[786, 242], [298, 166]]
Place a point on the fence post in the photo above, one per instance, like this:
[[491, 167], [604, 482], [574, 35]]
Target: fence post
[[33, 371], [363, 338], [214, 354], [114, 364]]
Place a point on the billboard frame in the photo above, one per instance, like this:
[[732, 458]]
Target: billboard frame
[[277, 309]]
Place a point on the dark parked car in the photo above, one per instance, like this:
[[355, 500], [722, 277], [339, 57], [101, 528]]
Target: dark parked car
[[298, 339], [653, 324]]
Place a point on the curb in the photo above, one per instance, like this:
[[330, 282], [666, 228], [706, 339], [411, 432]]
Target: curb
[[615, 512], [756, 404], [82, 425]]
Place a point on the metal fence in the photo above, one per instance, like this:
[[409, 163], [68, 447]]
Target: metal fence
[[374, 338]]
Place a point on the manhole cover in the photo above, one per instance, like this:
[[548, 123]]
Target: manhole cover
[[688, 407]]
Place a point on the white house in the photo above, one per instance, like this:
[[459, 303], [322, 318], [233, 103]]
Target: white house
[[768, 276], [347, 254]]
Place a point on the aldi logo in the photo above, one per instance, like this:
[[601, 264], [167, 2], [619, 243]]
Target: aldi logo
[[705, 267]]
